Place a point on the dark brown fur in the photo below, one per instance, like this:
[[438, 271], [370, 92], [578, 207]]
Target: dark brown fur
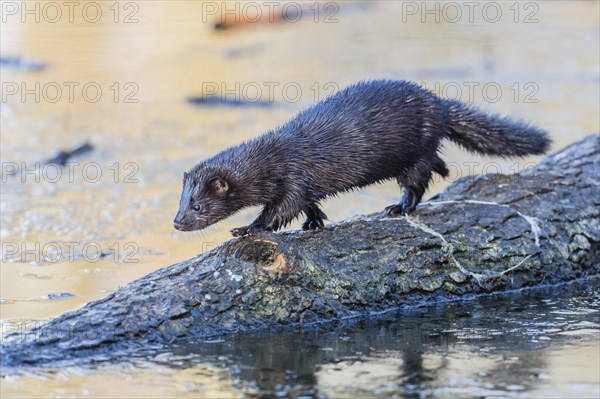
[[367, 133]]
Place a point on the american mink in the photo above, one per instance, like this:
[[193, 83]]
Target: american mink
[[367, 133]]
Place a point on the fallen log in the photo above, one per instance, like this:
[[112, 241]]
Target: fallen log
[[482, 235]]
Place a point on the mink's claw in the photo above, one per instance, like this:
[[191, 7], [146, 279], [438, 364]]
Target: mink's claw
[[313, 224], [407, 204], [399, 210], [239, 231], [245, 231], [394, 210]]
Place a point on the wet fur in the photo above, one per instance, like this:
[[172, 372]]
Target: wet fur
[[367, 133]]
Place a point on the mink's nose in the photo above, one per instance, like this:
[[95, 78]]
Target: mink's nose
[[177, 224]]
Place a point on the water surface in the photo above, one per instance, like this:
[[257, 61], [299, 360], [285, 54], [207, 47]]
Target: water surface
[[146, 133]]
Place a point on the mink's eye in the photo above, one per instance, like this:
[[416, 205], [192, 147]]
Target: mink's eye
[[196, 207]]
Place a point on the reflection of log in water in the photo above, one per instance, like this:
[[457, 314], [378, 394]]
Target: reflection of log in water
[[481, 235], [460, 348]]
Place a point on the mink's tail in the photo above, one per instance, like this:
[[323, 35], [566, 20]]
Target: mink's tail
[[492, 134]]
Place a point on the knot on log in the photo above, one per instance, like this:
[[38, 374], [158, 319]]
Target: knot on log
[[264, 254]]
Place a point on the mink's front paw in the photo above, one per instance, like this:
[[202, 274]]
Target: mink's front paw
[[313, 223], [314, 217], [248, 230], [241, 231], [394, 210]]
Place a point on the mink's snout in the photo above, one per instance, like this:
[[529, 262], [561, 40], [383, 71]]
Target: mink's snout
[[179, 222]]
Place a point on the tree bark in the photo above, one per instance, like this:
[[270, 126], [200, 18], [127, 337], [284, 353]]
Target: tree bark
[[482, 235]]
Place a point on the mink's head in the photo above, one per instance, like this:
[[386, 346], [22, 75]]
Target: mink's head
[[208, 196]]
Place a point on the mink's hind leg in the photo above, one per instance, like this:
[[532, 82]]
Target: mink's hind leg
[[411, 196], [314, 217], [414, 184]]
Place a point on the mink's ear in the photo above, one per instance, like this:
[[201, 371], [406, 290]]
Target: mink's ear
[[219, 186]]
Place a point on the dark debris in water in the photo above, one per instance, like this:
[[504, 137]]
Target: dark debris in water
[[62, 295], [60, 159], [22, 64], [65, 156], [220, 101]]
